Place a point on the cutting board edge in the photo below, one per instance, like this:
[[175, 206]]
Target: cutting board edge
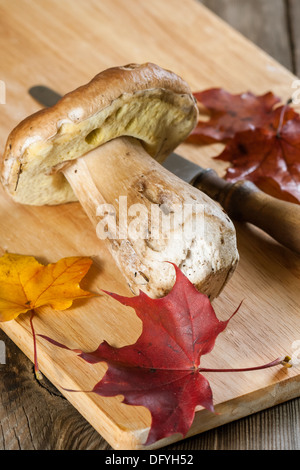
[[204, 420]]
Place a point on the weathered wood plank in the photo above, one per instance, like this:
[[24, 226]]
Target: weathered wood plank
[[274, 429], [35, 416], [264, 22], [293, 10]]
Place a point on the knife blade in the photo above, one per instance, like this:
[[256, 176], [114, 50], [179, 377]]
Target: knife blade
[[242, 200]]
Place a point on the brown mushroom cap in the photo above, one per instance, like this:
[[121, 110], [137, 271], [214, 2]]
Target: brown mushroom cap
[[142, 101]]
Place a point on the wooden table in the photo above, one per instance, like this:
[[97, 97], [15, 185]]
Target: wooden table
[[38, 417]]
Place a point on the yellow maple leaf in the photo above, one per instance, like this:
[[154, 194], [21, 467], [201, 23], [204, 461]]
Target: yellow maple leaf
[[26, 285]]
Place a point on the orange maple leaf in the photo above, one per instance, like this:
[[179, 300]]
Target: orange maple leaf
[[26, 285]]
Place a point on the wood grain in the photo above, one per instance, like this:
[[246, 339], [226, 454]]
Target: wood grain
[[264, 22], [268, 275], [293, 17], [35, 416]]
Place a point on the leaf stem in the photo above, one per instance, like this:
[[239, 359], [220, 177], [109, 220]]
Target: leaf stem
[[285, 361], [284, 108], [37, 372]]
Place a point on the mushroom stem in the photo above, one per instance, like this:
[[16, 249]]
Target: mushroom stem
[[147, 216], [104, 175]]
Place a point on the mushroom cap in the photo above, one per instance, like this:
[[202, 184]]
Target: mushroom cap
[[144, 101]]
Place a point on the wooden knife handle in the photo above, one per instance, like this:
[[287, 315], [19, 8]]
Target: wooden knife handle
[[243, 201]]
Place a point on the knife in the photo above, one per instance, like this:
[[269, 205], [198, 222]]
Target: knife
[[242, 200]]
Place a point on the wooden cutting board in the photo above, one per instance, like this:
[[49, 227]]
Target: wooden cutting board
[[63, 44]]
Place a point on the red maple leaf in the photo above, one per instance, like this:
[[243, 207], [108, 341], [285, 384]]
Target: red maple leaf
[[161, 371], [229, 114], [262, 140], [269, 157]]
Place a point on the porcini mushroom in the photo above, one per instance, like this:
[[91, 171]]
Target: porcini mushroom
[[107, 139]]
